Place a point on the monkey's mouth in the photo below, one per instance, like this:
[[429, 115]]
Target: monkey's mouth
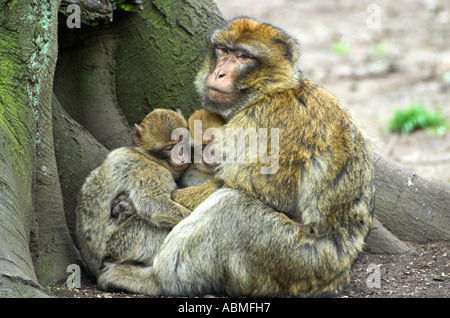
[[217, 90], [219, 96]]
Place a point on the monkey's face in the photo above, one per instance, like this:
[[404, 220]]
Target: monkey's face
[[231, 62], [204, 126], [154, 135], [246, 60], [206, 156], [177, 158]]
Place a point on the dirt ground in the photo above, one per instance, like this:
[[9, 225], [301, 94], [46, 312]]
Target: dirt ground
[[396, 52], [411, 275]]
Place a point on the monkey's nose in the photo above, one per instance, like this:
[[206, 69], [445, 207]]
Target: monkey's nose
[[218, 74]]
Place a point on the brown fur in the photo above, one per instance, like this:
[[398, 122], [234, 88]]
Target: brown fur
[[200, 172], [292, 233], [148, 180]]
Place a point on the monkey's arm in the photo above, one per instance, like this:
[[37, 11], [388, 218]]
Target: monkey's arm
[[161, 211], [168, 213], [191, 197]]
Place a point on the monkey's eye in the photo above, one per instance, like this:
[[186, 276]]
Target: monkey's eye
[[221, 51], [244, 57], [168, 148]]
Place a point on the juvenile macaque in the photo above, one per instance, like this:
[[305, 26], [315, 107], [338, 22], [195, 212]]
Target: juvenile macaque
[[201, 169], [294, 232], [146, 174]]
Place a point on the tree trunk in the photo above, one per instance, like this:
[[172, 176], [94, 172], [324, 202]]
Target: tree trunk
[[107, 78], [85, 84], [382, 241], [411, 207], [407, 206], [77, 153], [28, 51], [141, 61], [46, 154], [52, 246]]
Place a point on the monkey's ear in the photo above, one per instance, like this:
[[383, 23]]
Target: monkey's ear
[[137, 134], [175, 108]]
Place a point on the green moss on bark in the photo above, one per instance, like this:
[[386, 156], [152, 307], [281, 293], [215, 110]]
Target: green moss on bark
[[27, 60]]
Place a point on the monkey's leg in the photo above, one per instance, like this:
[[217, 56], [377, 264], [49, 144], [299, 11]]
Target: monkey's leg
[[236, 245], [161, 211], [128, 277], [136, 240]]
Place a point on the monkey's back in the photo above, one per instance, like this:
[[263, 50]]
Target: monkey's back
[[325, 161], [125, 170], [324, 183]]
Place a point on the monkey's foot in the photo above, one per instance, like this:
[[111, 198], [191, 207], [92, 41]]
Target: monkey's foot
[[124, 277], [105, 280]]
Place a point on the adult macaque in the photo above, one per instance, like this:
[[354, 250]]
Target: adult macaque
[[294, 232]]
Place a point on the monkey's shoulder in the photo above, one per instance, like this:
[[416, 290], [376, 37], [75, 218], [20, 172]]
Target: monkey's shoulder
[[315, 108], [305, 99], [132, 158], [317, 98]]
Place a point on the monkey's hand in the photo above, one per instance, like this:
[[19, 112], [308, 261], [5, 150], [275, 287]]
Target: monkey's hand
[[122, 208], [191, 197], [160, 210]]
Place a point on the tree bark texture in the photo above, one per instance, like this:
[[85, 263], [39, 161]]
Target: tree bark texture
[[85, 84], [28, 51], [61, 114], [77, 153], [142, 61], [411, 207]]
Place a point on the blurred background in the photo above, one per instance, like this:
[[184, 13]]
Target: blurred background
[[387, 61]]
